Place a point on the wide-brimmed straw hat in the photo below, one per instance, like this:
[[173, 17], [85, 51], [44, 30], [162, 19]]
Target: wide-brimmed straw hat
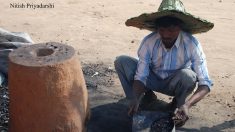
[[171, 8]]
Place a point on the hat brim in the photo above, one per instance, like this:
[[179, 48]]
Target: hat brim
[[192, 24]]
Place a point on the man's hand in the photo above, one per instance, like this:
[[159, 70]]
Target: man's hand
[[138, 90], [133, 106], [181, 115]]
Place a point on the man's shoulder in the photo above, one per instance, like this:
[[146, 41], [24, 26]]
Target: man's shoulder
[[151, 38], [149, 41], [188, 38]]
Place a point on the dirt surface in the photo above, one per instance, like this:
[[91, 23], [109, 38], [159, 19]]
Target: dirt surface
[[107, 114], [101, 81], [97, 31]]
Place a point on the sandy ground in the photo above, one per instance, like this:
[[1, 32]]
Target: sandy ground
[[97, 31]]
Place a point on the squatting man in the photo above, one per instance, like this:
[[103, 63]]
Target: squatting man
[[170, 60]]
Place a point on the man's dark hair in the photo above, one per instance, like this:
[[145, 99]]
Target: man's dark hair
[[168, 21]]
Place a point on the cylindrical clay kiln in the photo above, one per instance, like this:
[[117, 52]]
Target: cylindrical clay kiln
[[47, 89]]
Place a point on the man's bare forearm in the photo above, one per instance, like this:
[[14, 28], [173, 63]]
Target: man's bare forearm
[[197, 96], [138, 88]]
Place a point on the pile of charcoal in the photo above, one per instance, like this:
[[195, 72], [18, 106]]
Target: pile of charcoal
[[4, 104], [162, 125]]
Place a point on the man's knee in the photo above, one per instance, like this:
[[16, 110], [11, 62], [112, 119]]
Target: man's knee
[[187, 78], [120, 60], [126, 66], [126, 62]]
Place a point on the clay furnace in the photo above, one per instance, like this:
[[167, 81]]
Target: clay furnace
[[47, 89]]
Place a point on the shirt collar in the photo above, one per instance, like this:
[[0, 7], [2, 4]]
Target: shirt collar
[[178, 40]]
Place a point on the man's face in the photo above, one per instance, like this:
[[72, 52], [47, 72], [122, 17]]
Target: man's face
[[169, 35]]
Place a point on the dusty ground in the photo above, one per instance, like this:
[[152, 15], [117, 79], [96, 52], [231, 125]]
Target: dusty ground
[[96, 30]]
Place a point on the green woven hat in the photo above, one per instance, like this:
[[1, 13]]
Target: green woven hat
[[171, 8]]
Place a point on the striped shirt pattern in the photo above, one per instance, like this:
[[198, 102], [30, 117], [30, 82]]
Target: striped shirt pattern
[[186, 53]]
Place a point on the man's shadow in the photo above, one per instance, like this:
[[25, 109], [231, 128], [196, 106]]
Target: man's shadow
[[110, 118], [113, 117]]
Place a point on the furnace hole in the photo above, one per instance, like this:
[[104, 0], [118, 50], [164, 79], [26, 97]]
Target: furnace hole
[[44, 52]]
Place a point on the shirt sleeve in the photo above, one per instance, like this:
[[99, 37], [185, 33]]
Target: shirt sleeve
[[142, 71], [199, 65]]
